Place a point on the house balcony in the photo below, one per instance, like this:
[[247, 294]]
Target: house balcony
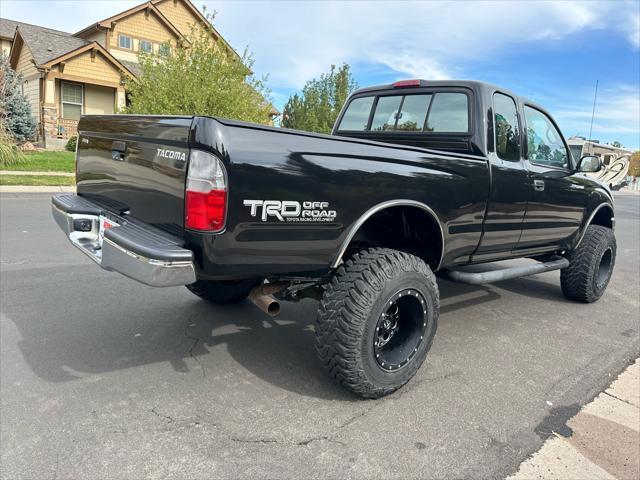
[[66, 128]]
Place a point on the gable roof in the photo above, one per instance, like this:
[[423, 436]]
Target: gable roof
[[45, 43], [107, 22], [89, 46], [8, 28], [204, 20], [133, 67], [49, 47]]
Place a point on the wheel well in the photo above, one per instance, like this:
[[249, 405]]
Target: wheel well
[[406, 228], [603, 217]]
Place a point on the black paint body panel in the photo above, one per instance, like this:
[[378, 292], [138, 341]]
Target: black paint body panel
[[353, 176], [487, 210]]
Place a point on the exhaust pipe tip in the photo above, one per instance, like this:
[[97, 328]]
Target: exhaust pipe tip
[[266, 303], [273, 308]]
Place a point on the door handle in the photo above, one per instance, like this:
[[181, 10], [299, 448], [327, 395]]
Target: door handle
[[538, 185]]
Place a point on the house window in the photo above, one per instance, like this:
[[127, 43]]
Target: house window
[[71, 101], [164, 49], [124, 42], [146, 46]]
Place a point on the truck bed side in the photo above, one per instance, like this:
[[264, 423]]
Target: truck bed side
[[353, 177]]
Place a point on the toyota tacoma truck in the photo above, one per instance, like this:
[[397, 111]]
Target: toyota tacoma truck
[[418, 178]]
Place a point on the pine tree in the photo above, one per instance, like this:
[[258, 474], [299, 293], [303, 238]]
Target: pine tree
[[15, 110]]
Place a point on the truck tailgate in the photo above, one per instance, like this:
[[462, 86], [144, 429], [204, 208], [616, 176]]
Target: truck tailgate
[[137, 165]]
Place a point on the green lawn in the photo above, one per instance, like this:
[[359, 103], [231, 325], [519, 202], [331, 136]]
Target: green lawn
[[46, 162], [36, 180]]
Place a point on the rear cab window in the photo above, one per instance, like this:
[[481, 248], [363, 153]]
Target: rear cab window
[[357, 115], [423, 112]]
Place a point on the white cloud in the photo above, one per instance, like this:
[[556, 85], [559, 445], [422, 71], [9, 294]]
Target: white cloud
[[633, 27], [414, 66], [295, 41], [617, 112]]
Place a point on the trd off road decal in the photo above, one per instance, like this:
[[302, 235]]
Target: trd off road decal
[[291, 211]]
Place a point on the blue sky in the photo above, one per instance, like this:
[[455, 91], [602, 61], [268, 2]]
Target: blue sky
[[552, 52]]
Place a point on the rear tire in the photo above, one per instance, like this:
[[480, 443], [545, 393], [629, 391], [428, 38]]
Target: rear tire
[[592, 262], [223, 292], [377, 319]]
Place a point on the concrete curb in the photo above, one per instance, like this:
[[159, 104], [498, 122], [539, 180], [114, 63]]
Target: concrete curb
[[27, 173], [36, 189], [603, 441]]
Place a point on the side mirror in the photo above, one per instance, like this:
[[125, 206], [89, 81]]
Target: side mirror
[[589, 164]]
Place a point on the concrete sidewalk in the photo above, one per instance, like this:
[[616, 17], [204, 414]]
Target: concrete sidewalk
[[601, 442]]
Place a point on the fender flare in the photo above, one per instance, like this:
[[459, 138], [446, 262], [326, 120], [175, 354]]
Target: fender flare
[[378, 208], [592, 216]]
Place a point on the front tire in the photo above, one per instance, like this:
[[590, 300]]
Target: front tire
[[223, 292], [592, 262], [377, 320]]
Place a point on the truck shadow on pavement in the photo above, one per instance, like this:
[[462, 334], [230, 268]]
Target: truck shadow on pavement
[[207, 342]]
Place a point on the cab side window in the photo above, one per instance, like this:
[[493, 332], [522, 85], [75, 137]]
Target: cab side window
[[506, 128], [544, 143]]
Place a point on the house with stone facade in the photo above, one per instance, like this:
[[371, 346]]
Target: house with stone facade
[[66, 75]]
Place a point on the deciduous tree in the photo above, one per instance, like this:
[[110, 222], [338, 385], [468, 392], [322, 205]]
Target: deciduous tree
[[634, 164], [316, 108], [203, 76]]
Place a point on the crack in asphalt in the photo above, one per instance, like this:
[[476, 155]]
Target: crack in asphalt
[[196, 341], [161, 415], [250, 440], [304, 443], [307, 441]]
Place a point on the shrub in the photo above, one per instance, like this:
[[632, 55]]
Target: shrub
[[634, 164], [71, 144], [10, 154]]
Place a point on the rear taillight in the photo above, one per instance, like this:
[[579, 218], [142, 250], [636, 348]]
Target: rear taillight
[[206, 193]]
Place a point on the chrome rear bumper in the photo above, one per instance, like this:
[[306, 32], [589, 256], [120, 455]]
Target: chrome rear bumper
[[136, 251]]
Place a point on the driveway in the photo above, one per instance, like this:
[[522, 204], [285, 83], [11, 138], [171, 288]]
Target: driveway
[[104, 378]]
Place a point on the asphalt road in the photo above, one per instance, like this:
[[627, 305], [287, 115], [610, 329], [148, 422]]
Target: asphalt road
[[104, 378]]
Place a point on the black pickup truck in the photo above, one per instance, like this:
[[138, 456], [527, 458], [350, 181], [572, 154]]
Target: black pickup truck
[[417, 178]]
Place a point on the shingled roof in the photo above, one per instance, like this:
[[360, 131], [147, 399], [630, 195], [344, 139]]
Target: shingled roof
[[133, 67], [45, 43]]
